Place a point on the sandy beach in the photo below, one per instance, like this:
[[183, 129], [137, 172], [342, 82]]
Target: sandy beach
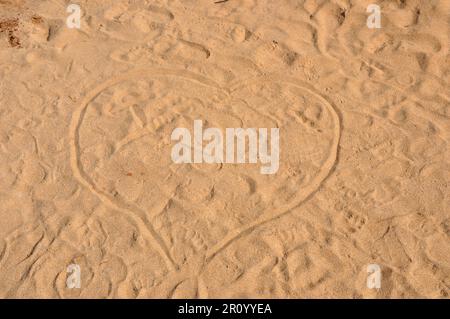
[[123, 175]]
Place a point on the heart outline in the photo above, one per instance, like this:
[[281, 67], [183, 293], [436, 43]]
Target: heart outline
[[325, 170]]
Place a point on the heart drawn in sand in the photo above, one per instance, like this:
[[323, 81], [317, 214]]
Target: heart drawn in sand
[[121, 151]]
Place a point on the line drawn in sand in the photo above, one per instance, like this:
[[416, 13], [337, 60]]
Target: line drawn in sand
[[140, 216]]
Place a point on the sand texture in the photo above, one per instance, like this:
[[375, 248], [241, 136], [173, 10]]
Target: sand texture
[[87, 179]]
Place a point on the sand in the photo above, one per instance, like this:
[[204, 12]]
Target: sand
[[92, 205]]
